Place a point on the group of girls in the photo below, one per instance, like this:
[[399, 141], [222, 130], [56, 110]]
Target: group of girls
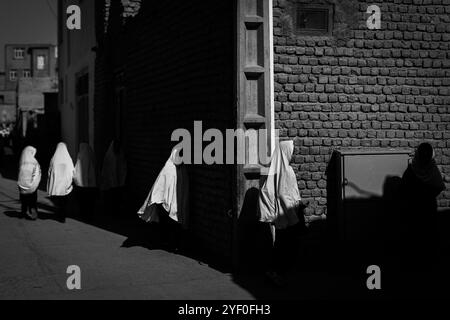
[[279, 201], [65, 177]]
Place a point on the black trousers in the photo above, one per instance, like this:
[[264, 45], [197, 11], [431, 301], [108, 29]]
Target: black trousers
[[282, 250], [29, 204], [170, 230], [286, 244], [61, 206]]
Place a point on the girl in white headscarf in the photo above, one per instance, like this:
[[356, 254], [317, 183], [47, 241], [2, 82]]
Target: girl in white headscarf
[[28, 182], [60, 178], [167, 201], [279, 199], [85, 180]]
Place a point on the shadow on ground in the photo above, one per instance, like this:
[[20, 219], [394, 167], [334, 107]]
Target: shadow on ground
[[317, 268]]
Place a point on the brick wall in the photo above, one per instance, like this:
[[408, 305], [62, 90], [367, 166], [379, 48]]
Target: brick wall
[[178, 69], [363, 88]]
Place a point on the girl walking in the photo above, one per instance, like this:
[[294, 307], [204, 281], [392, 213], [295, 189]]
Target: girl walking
[[28, 182], [167, 201], [60, 177], [280, 207]]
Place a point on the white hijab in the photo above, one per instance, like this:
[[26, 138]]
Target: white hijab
[[114, 170], [60, 172], [29, 171], [279, 196], [171, 190], [85, 167]]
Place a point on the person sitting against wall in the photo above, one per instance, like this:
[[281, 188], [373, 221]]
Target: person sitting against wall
[[60, 179], [421, 183], [85, 180], [168, 202], [280, 206], [28, 182], [113, 177]]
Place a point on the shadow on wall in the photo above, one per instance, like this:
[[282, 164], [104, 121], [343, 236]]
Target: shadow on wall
[[254, 237], [369, 229], [255, 249], [362, 229]]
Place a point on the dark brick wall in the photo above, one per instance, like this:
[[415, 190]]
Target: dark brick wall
[[178, 69], [363, 88]]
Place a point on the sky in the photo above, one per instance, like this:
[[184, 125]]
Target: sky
[[27, 21]]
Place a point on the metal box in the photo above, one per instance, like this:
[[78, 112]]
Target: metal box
[[367, 181]]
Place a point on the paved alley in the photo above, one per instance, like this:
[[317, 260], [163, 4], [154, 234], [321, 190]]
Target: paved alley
[[35, 255]]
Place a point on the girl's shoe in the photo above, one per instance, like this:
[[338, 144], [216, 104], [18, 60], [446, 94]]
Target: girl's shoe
[[30, 217], [34, 214]]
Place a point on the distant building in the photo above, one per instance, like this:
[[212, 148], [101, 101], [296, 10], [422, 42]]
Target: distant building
[[7, 102], [30, 70], [29, 61], [31, 99], [28, 93]]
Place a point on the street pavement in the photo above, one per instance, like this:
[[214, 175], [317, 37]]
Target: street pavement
[[35, 255]]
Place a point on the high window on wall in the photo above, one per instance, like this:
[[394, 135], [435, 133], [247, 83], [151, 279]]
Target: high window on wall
[[314, 19], [19, 53], [40, 62], [13, 75], [26, 73]]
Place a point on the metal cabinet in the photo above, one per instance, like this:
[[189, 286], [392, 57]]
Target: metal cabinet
[[367, 181]]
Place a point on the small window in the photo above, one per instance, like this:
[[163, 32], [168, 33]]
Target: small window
[[40, 62], [19, 53], [314, 20], [2, 99], [13, 75], [26, 73]]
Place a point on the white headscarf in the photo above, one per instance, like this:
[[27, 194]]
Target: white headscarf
[[114, 170], [429, 173], [29, 171], [85, 167], [60, 172], [171, 190], [279, 196]]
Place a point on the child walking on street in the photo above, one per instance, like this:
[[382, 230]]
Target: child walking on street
[[60, 178], [28, 182], [279, 205], [168, 202]]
